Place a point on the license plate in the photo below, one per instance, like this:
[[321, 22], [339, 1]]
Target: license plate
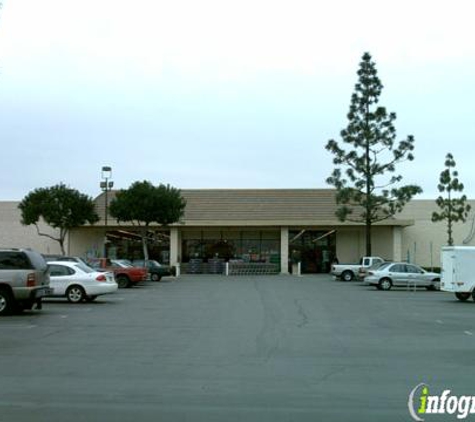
[[46, 291]]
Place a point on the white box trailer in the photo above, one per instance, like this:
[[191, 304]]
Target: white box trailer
[[458, 271]]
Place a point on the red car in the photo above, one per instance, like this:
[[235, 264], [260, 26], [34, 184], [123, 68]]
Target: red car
[[126, 275]]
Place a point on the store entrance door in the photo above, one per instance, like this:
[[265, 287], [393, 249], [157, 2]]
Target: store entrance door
[[315, 249]]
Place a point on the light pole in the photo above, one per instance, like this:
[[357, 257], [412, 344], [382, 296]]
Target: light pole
[[106, 186]]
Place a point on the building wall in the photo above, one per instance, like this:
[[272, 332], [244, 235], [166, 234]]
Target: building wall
[[419, 243], [423, 241], [351, 243], [382, 244], [87, 242], [15, 235], [348, 245]]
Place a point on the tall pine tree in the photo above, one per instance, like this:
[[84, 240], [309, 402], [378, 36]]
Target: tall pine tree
[[452, 209], [367, 190]]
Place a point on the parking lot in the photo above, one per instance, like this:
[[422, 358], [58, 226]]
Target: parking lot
[[211, 348]]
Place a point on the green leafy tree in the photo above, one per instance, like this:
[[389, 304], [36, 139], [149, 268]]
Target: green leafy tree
[[60, 207], [452, 209], [367, 190], [143, 204]]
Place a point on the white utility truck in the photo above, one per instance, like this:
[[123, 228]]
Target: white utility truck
[[348, 272], [458, 271]]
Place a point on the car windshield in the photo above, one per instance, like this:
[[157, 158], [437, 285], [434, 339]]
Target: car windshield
[[150, 263], [383, 266], [122, 263], [414, 269], [154, 263], [376, 266], [84, 268], [37, 260]]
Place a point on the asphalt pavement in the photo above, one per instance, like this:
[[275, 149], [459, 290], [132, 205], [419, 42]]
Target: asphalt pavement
[[213, 348]]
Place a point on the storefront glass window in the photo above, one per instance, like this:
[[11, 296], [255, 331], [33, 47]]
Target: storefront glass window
[[250, 246]]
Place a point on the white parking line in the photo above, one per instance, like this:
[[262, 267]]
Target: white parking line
[[468, 333], [439, 321]]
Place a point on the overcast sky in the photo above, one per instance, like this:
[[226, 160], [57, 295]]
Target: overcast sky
[[224, 94]]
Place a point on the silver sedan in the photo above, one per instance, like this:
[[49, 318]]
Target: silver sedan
[[402, 274]]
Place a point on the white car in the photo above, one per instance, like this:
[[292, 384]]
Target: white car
[[77, 282], [402, 274]]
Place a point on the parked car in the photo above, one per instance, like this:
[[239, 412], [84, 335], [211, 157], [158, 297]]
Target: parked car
[[154, 268], [363, 271], [402, 274], [77, 281], [24, 279], [124, 263], [125, 274], [348, 272], [50, 258]]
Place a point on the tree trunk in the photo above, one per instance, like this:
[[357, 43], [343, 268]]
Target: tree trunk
[[369, 186], [62, 237], [61, 244], [368, 238], [449, 219], [451, 241], [144, 244]]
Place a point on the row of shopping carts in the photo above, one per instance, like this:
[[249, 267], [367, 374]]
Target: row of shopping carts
[[252, 268]]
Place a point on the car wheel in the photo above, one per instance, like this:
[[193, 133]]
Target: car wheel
[[6, 302], [91, 298], [123, 281], [155, 277], [385, 284], [347, 276], [75, 294], [462, 296]]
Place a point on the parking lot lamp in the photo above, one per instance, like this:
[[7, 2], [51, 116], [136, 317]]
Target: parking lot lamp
[[106, 185]]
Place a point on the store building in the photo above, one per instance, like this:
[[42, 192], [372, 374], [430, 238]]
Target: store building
[[268, 226], [252, 225]]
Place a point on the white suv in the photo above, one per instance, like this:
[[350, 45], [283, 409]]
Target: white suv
[[24, 279]]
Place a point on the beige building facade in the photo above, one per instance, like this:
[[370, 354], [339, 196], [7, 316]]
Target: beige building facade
[[15, 235], [254, 225]]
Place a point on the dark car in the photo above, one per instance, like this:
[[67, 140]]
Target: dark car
[[154, 268]]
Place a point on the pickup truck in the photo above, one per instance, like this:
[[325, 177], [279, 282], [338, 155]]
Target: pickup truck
[[348, 272]]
